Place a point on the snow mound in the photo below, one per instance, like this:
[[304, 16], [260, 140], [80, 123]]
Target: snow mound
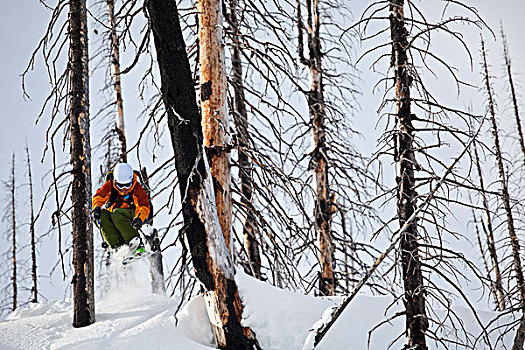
[[128, 316]]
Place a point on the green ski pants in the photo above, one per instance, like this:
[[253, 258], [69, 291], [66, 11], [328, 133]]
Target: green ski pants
[[116, 226]]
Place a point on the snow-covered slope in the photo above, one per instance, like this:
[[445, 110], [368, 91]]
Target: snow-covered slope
[[129, 317]]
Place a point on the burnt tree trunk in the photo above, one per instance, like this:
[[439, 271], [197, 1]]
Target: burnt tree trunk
[[251, 244], [115, 61], [12, 190], [491, 243], [514, 241], [34, 276], [211, 259], [324, 198], [83, 280], [213, 92], [404, 156]]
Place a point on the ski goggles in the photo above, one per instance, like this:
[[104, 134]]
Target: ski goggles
[[123, 186]]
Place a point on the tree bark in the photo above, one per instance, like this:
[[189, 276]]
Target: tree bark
[[83, 280], [34, 276], [414, 296], [211, 259], [324, 198], [115, 61], [215, 125], [251, 244], [12, 191], [514, 241]]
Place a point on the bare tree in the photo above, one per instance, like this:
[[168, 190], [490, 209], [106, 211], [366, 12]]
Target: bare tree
[[12, 216], [115, 61], [34, 275], [499, 293], [240, 116], [514, 241], [517, 116], [324, 198], [210, 255], [83, 280], [414, 296]]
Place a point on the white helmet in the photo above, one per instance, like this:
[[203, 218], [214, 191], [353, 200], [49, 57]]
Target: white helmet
[[123, 175]]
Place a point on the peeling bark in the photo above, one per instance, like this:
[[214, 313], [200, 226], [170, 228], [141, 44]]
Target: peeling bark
[[83, 280], [414, 296], [324, 198], [215, 126], [210, 256]]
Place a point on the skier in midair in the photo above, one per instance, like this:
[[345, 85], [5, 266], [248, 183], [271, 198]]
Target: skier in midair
[[120, 207]]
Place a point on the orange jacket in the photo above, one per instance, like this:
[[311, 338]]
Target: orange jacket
[[140, 198]]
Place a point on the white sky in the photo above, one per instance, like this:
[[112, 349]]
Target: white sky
[[22, 23]]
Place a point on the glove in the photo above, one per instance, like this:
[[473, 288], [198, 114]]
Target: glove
[[97, 213], [136, 223]]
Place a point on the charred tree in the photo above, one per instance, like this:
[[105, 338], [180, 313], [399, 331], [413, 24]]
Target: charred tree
[[250, 229], [83, 280], [115, 62], [12, 212], [324, 198], [210, 255], [517, 117], [34, 276], [514, 241], [404, 156], [213, 91]]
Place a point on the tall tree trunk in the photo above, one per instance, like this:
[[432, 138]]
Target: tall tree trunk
[[83, 280], [514, 241], [414, 297], [210, 255], [324, 198], [115, 61], [13, 238], [215, 126], [491, 243], [34, 276], [251, 245]]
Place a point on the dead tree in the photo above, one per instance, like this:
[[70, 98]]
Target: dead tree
[[83, 280], [240, 116], [324, 200], [517, 117], [34, 275], [404, 156], [115, 61], [499, 293], [514, 240], [211, 259], [12, 218], [213, 92]]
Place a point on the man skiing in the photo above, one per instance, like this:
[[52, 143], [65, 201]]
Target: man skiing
[[120, 207]]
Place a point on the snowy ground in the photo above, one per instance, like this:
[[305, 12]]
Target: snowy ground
[[129, 317]]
